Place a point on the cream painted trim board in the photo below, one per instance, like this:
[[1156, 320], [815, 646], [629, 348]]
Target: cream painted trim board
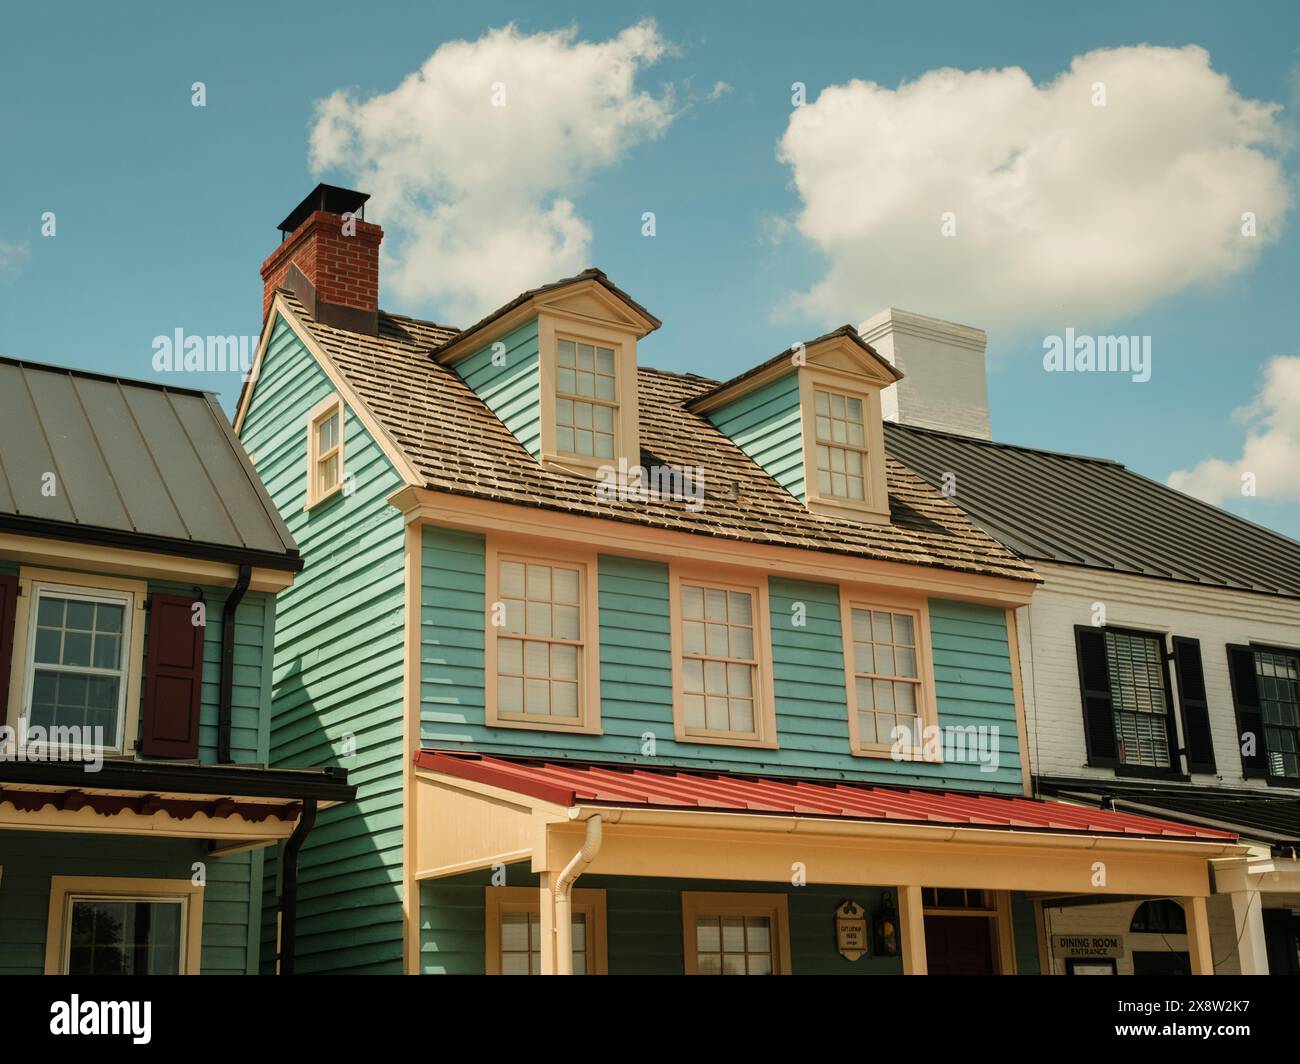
[[135, 592], [341, 384], [86, 821], [148, 565], [755, 584], [918, 607], [497, 901], [1018, 696], [500, 548], [412, 566], [627, 539], [64, 889], [717, 903]]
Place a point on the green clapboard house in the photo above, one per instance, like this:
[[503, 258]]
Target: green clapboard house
[[638, 671], [140, 563]]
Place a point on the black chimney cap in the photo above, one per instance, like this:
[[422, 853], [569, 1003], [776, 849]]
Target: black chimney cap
[[324, 197]]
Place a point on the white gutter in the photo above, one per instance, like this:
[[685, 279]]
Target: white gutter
[[564, 895]]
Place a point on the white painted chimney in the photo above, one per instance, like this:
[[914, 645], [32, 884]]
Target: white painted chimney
[[943, 386]]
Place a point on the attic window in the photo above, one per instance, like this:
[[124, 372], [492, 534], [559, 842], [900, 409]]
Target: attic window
[[586, 406], [841, 446], [324, 450]]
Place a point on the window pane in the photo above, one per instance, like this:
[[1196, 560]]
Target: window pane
[[110, 937]]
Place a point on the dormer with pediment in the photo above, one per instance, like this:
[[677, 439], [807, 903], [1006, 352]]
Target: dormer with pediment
[[558, 366], [811, 418]]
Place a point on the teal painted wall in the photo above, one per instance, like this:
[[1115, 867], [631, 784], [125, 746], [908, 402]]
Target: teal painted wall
[[972, 670], [766, 424], [337, 697], [511, 391], [28, 860], [644, 917]]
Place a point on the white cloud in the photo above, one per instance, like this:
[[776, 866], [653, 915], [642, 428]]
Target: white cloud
[[12, 257], [475, 198], [1066, 213], [1271, 454]]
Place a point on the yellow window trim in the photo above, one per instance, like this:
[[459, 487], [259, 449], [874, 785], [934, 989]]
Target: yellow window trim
[[322, 411], [918, 607], [30, 580], [501, 900], [500, 548], [64, 888], [701, 903], [875, 507], [553, 326], [755, 584]]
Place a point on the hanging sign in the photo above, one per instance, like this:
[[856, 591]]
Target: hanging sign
[[851, 930]]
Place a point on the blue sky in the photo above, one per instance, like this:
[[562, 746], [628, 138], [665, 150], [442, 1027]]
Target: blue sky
[[165, 211]]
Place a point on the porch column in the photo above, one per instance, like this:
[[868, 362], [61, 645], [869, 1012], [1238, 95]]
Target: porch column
[[911, 919], [547, 889], [1198, 936], [1248, 922]]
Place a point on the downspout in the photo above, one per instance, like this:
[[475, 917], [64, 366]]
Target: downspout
[[564, 895], [289, 886], [227, 689]]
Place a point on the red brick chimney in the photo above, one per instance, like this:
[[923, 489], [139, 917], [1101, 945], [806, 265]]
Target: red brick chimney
[[330, 262]]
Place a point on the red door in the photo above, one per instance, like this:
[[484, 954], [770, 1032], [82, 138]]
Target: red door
[[959, 945]]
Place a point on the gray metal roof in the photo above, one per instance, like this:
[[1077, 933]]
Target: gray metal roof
[[135, 464], [1094, 512]]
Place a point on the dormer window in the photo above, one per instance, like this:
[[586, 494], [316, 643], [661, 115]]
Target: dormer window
[[586, 399], [841, 446]]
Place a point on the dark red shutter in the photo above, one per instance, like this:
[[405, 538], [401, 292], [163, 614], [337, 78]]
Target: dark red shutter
[[173, 677], [1198, 743], [8, 607], [1250, 718], [1094, 689]]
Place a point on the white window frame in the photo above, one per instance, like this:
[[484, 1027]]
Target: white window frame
[[755, 584], [858, 598], [92, 587], [321, 412], [65, 890], [499, 549]]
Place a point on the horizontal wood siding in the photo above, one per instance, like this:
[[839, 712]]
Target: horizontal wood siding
[[338, 668], [972, 675], [30, 858], [512, 390], [767, 425], [644, 917]]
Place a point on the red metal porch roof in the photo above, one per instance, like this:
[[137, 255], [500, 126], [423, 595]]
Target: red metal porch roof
[[570, 783]]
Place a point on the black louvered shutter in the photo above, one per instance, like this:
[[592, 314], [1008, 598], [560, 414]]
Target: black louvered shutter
[[1198, 743], [1250, 719], [8, 608], [1094, 687]]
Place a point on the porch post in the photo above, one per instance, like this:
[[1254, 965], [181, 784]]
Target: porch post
[[547, 889], [911, 919], [1198, 936], [1248, 921]]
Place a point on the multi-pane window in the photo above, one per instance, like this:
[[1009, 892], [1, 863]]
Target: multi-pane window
[[1278, 676], [521, 942], [734, 945], [540, 642], [1136, 664], [124, 936], [886, 674], [841, 445], [719, 661], [325, 444], [954, 898], [586, 404], [78, 664]]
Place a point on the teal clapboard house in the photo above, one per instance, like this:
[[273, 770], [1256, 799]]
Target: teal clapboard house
[[638, 671], [140, 560]]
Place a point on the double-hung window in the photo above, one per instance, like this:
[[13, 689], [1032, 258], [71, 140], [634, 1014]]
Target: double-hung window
[[721, 669], [78, 661], [111, 926], [1139, 695], [586, 399], [735, 934], [841, 446], [1277, 673], [514, 931], [542, 662], [887, 656], [324, 450]]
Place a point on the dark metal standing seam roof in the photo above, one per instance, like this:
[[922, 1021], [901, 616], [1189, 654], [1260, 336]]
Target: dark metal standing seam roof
[[135, 464], [1096, 513]]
